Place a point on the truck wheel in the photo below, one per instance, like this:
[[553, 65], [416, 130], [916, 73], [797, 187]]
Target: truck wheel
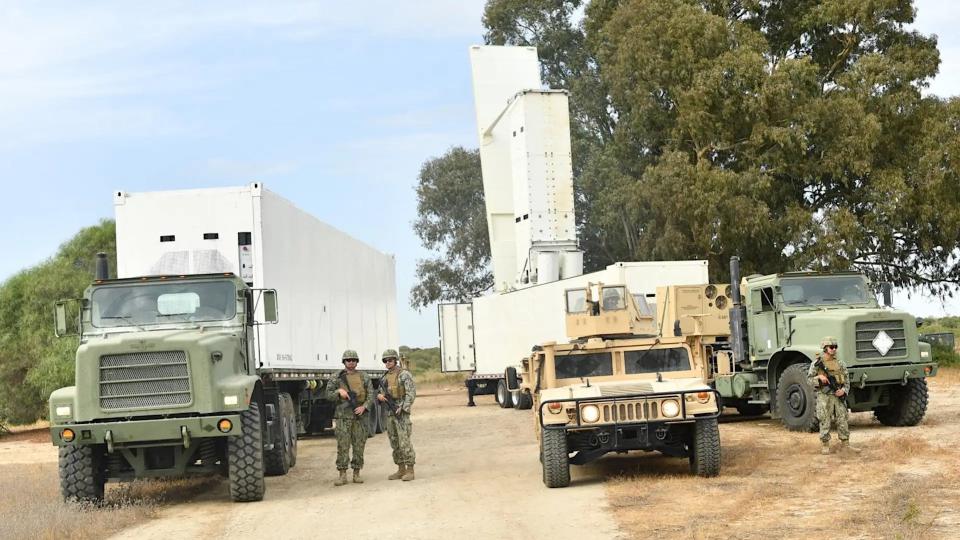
[[750, 409], [81, 476], [245, 456], [555, 458], [382, 419], [373, 420], [286, 404], [504, 397], [705, 450], [524, 400], [796, 400], [277, 461], [907, 405]]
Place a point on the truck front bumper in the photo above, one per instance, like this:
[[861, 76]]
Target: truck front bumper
[[863, 376], [147, 432]]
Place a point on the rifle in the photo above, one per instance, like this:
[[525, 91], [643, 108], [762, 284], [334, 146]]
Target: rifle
[[392, 403], [831, 379], [351, 395]]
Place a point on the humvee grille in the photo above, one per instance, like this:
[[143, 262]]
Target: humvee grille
[[144, 380], [867, 331], [637, 411]]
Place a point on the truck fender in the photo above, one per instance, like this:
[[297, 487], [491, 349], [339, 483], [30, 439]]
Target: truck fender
[[784, 358], [61, 397], [243, 387]]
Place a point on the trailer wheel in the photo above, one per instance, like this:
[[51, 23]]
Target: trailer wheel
[[504, 396], [277, 461], [81, 474], [705, 450], [555, 458], [907, 405], [286, 405], [797, 400], [245, 456], [524, 400]]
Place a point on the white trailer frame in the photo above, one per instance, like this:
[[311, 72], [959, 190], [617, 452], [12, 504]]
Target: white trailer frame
[[335, 292]]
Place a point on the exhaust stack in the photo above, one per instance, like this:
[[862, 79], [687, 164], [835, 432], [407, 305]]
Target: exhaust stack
[[102, 271], [737, 312]]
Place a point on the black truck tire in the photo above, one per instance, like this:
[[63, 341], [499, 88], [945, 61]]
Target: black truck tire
[[277, 461], [750, 409], [504, 397], [705, 448], [907, 405], [797, 400], [555, 458], [245, 458], [81, 474], [286, 402], [382, 412], [524, 400]]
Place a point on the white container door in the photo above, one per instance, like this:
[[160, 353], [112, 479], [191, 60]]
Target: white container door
[[456, 337]]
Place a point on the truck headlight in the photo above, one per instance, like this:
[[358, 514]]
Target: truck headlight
[[590, 413], [670, 408], [64, 410], [924, 354], [230, 400]]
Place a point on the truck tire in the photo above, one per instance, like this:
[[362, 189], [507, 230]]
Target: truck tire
[[373, 420], [797, 400], [524, 400], [382, 417], [555, 458], [81, 474], [907, 405], [504, 397], [750, 409], [705, 448], [277, 460], [286, 402], [245, 458]]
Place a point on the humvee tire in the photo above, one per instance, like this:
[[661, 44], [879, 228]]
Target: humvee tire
[[907, 405], [554, 458], [504, 397], [705, 448], [245, 458], [81, 477], [524, 400], [797, 400]]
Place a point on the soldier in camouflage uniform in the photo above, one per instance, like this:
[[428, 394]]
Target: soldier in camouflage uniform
[[831, 404], [401, 388], [351, 428]]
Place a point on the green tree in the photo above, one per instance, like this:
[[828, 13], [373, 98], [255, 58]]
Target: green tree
[[453, 222], [33, 362]]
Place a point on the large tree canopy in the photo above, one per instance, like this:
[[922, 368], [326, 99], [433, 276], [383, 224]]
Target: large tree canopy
[[793, 134]]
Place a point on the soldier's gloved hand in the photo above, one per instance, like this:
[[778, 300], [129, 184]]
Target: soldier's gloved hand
[[359, 410], [839, 393], [823, 379], [343, 393], [381, 398]]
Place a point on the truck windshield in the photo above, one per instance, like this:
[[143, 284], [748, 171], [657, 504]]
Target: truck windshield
[[656, 360], [144, 304], [574, 366], [825, 290]]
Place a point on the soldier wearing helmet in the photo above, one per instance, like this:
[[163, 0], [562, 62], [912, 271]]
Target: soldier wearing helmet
[[828, 375], [352, 391], [397, 388]]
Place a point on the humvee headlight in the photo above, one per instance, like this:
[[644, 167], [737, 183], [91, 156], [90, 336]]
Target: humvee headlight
[[63, 410], [590, 413], [225, 425], [230, 400], [670, 408], [68, 435], [555, 407]]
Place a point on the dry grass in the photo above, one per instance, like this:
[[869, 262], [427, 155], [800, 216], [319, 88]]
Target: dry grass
[[434, 380], [947, 376], [30, 505]]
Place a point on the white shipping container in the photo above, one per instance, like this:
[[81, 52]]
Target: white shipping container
[[505, 326], [335, 292]]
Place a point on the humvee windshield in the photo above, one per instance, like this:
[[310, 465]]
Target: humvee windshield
[[825, 290], [574, 366], [656, 360], [163, 303]]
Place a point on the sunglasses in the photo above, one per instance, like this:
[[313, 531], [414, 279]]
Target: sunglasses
[[351, 360], [831, 346], [385, 360]]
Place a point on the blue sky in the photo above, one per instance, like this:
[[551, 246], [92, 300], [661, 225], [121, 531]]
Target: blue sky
[[333, 105]]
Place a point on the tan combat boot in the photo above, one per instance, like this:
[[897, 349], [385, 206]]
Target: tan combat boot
[[401, 470], [825, 447], [342, 480], [408, 475], [847, 447], [356, 477]]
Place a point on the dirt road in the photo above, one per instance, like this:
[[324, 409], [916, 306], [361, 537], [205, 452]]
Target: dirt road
[[477, 476]]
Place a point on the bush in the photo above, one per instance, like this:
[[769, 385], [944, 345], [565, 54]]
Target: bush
[[420, 361], [945, 356]]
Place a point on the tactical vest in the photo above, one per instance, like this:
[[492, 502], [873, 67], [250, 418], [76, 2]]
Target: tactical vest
[[393, 385], [833, 366], [356, 385]]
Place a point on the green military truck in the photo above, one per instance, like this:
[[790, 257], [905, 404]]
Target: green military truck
[[776, 324]]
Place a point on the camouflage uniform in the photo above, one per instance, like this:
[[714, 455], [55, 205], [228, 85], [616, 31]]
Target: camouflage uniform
[[831, 408], [351, 430], [401, 387]]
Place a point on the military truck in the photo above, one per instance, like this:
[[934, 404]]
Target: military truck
[[618, 386], [176, 372], [776, 325]]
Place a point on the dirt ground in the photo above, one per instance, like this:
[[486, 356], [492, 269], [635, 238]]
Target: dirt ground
[[478, 474]]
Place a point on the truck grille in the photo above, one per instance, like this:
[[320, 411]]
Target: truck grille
[[144, 380], [636, 411], [868, 330]]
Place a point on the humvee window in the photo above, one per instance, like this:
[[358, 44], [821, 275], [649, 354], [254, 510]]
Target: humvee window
[[574, 366], [614, 298], [656, 360], [576, 301]]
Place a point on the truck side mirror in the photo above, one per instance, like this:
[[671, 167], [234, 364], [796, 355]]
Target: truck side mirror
[[513, 383], [61, 327], [270, 311]]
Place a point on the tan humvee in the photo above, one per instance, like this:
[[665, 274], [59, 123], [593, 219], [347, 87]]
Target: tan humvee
[[619, 385]]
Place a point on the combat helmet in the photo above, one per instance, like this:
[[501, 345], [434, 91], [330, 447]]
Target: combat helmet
[[389, 353], [350, 354], [827, 341]]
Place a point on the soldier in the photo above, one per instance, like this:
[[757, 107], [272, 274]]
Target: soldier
[[353, 393], [828, 375], [397, 388]]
